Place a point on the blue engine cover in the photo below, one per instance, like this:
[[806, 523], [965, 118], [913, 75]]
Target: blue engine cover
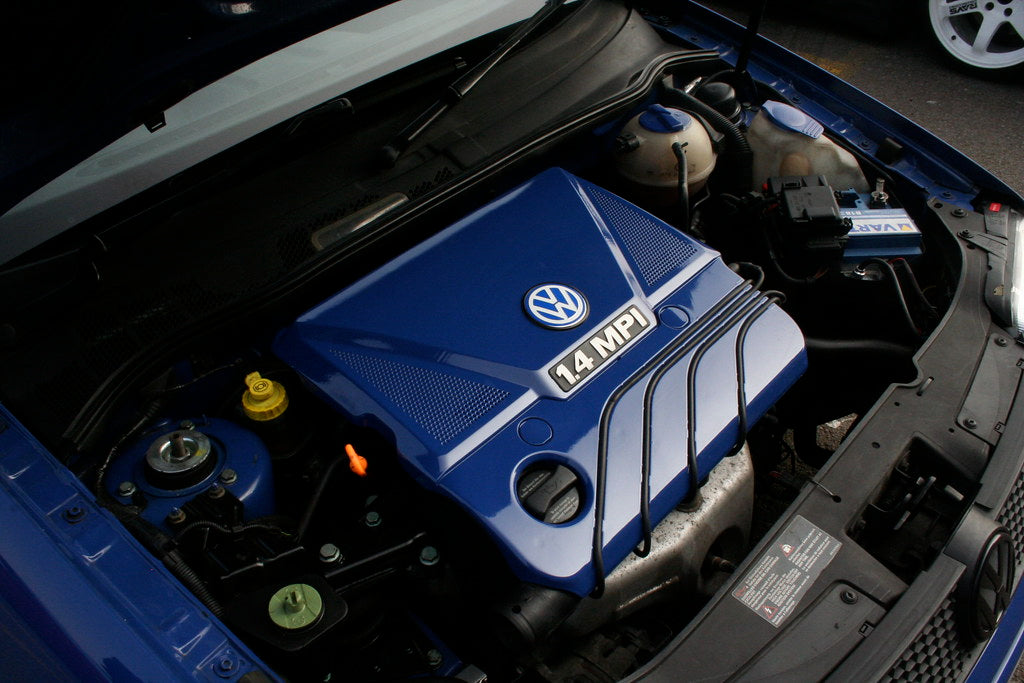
[[529, 332]]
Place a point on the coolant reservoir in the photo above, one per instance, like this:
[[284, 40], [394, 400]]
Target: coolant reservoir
[[648, 160], [788, 142]]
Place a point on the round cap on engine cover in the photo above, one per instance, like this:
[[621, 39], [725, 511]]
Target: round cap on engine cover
[[550, 492], [265, 399]]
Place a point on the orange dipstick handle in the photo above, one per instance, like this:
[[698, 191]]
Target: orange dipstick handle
[[356, 462]]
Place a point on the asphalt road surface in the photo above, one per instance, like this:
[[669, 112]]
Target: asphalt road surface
[[889, 55]]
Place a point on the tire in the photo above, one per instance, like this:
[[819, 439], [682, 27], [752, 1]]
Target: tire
[[984, 35]]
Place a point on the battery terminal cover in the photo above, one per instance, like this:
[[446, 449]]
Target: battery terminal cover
[[264, 399]]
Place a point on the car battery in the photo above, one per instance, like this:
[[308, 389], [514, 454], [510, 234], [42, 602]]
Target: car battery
[[877, 231]]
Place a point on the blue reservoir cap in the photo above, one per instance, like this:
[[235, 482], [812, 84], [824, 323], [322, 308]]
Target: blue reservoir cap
[[659, 119], [791, 118]]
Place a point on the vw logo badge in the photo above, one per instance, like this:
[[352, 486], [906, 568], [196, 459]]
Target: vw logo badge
[[556, 306], [986, 588]]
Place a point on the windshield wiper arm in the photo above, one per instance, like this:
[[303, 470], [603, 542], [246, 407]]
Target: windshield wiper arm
[[458, 89]]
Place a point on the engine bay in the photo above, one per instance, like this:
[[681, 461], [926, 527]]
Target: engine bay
[[529, 435]]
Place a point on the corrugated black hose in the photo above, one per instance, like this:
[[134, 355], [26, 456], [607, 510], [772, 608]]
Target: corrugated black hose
[[163, 547], [738, 152]]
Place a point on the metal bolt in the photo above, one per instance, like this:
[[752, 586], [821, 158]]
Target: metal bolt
[[1001, 341], [187, 424], [330, 553], [74, 514], [179, 451], [228, 476], [971, 423], [226, 664], [865, 144], [947, 195], [372, 519], [126, 489], [429, 556], [848, 596], [966, 234], [958, 213], [215, 491], [434, 658], [879, 197], [176, 516]]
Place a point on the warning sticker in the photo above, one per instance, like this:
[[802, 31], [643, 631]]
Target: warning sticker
[[774, 586]]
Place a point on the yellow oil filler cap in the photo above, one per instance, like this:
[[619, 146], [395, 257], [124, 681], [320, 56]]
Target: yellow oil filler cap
[[265, 399]]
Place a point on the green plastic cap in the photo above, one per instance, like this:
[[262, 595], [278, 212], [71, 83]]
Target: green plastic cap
[[295, 606]]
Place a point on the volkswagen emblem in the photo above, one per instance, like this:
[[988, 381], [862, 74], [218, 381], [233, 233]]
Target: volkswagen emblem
[[986, 588], [555, 306]]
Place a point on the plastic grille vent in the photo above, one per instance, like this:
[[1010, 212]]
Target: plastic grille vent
[[442, 404], [655, 250], [936, 654], [1012, 517]]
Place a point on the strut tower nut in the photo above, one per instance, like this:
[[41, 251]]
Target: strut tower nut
[[179, 459]]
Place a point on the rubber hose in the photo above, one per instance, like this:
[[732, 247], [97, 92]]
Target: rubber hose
[[887, 269], [684, 192], [737, 143], [314, 500], [879, 346]]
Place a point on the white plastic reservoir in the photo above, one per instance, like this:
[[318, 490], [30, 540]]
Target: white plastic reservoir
[[652, 163], [788, 142]]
